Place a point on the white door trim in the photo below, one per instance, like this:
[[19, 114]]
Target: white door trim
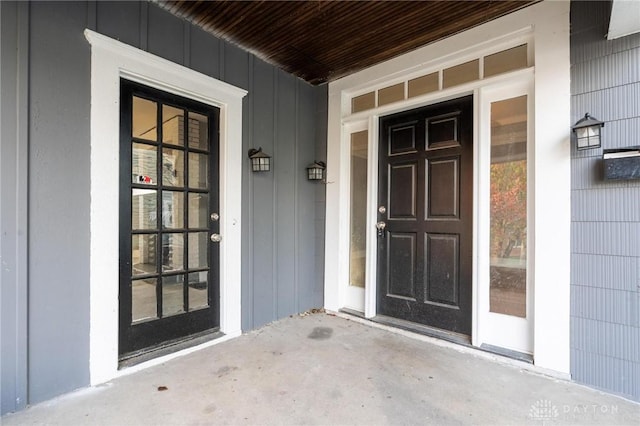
[[111, 60]]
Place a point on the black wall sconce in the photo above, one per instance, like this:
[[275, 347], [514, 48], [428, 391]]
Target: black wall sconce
[[315, 171], [260, 162], [587, 132]]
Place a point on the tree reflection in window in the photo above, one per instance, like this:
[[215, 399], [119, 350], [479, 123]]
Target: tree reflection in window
[[508, 207]]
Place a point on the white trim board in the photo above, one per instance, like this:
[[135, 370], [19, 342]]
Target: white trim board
[[111, 60], [546, 26]]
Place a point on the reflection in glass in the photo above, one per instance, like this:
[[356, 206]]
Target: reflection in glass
[[198, 294], [172, 209], [172, 167], [198, 242], [172, 295], [143, 208], [145, 115], [143, 164], [198, 170], [143, 254], [143, 299], [198, 131], [198, 209], [172, 252], [172, 125], [358, 212], [508, 268]]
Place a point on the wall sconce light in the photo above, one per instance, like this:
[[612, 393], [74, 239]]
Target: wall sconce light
[[315, 171], [260, 162], [587, 132]]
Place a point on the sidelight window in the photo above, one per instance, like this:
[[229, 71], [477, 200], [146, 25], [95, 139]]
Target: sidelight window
[[358, 214], [508, 192]]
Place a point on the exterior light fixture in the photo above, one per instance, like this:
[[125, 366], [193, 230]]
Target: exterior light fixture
[[260, 162], [587, 132], [315, 171]]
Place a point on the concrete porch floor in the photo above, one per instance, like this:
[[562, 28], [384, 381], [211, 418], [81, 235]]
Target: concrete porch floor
[[325, 369]]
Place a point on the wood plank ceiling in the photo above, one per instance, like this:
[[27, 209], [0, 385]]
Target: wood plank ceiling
[[320, 41]]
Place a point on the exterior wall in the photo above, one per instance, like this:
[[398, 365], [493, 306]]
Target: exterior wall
[[282, 114], [605, 230]]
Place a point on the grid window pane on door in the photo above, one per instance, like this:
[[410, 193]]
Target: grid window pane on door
[[169, 203]]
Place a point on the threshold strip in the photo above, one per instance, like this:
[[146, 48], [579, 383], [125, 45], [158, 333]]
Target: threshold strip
[[449, 336], [166, 348]]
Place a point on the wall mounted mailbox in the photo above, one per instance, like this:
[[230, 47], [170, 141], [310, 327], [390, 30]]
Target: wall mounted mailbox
[[622, 163]]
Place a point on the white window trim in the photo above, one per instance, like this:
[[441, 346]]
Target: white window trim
[[353, 296], [547, 24], [494, 328], [111, 60]]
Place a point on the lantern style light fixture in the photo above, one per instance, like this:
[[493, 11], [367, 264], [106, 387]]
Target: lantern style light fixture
[[260, 162], [315, 171], [587, 132]]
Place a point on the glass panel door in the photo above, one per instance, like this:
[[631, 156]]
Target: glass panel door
[[169, 192]]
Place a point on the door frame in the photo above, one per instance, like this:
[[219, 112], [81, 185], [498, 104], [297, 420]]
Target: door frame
[[483, 91], [112, 60], [150, 334], [545, 27]]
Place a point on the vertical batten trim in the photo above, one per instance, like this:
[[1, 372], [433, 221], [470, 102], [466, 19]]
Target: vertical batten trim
[[92, 15], [14, 164], [274, 195], [186, 46], [221, 56], [144, 26], [24, 68], [249, 135], [296, 198]]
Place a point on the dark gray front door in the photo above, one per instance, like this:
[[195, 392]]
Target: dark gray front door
[[169, 199], [425, 187]]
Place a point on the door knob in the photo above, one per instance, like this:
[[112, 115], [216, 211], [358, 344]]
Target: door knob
[[216, 238], [380, 226]]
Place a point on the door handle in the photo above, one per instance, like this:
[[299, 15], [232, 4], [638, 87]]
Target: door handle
[[380, 226], [216, 238]]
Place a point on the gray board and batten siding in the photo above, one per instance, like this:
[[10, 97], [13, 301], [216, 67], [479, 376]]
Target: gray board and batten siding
[[605, 229], [46, 73]]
